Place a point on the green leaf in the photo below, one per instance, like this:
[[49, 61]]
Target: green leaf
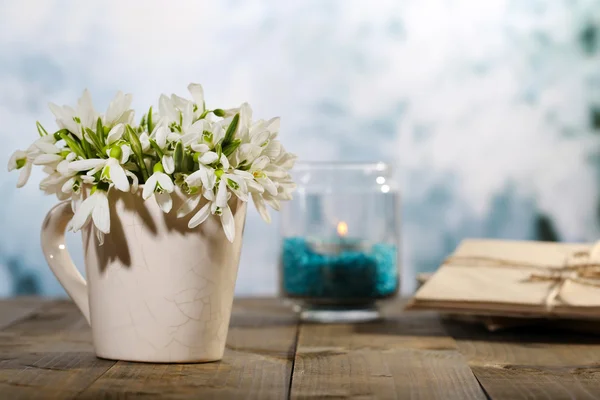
[[136, 147], [95, 140], [73, 145], [156, 148], [178, 157], [150, 122], [100, 132], [189, 163], [40, 129], [231, 130], [231, 147], [87, 149]]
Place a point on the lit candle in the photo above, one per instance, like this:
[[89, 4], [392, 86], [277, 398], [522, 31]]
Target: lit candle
[[340, 244]]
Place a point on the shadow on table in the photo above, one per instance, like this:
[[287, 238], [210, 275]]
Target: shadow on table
[[420, 323], [531, 334]]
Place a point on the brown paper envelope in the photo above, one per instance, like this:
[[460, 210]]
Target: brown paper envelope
[[472, 284]]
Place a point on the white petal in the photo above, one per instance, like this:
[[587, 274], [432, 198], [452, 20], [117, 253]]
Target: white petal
[[259, 203], [208, 158], [274, 203], [48, 148], [164, 201], [117, 175], [224, 162], [149, 187], [101, 212], [85, 110], [67, 187], [161, 136], [209, 195], [144, 140], [273, 124], [200, 148], [228, 224], [115, 134], [254, 187], [134, 181], [168, 164], [239, 180], [197, 94], [24, 175], [221, 200], [44, 159], [268, 185], [84, 165], [83, 213], [260, 162], [273, 149], [126, 118], [166, 109], [198, 127], [190, 204], [165, 181], [200, 216], [244, 174], [88, 179], [187, 114], [195, 179], [17, 155], [71, 156], [125, 153], [274, 171]]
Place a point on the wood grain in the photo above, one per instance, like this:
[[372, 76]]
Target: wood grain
[[48, 354], [257, 363], [11, 310], [407, 356], [531, 363]]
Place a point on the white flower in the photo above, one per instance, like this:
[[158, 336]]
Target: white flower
[[108, 150], [197, 93], [118, 111], [22, 161], [216, 205], [112, 167], [73, 120], [95, 206], [161, 186]]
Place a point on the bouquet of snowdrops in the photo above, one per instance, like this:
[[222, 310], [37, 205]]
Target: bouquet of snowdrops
[[211, 154]]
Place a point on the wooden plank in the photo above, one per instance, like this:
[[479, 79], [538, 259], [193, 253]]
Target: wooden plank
[[405, 356], [48, 354], [532, 363], [257, 363], [13, 309]]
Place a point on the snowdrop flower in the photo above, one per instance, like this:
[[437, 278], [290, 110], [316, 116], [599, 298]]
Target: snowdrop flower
[[22, 161], [167, 160], [95, 206], [74, 119], [216, 205], [118, 111], [161, 186], [212, 155]]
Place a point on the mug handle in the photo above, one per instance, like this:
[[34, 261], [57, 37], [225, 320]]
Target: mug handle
[[58, 258]]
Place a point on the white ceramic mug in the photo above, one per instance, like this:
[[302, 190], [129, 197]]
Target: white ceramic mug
[[156, 290]]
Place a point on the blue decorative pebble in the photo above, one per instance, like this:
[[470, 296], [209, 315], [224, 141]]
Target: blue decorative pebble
[[350, 274]]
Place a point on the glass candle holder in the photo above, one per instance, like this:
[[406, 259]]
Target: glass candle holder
[[340, 238]]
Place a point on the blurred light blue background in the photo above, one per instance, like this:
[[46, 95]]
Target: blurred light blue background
[[490, 110]]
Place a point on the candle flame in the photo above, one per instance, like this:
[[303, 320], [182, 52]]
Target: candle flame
[[342, 228]]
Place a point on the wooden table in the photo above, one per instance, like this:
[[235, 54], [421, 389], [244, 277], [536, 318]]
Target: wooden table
[[46, 352]]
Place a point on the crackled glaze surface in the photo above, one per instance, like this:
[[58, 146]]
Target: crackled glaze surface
[[158, 291]]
